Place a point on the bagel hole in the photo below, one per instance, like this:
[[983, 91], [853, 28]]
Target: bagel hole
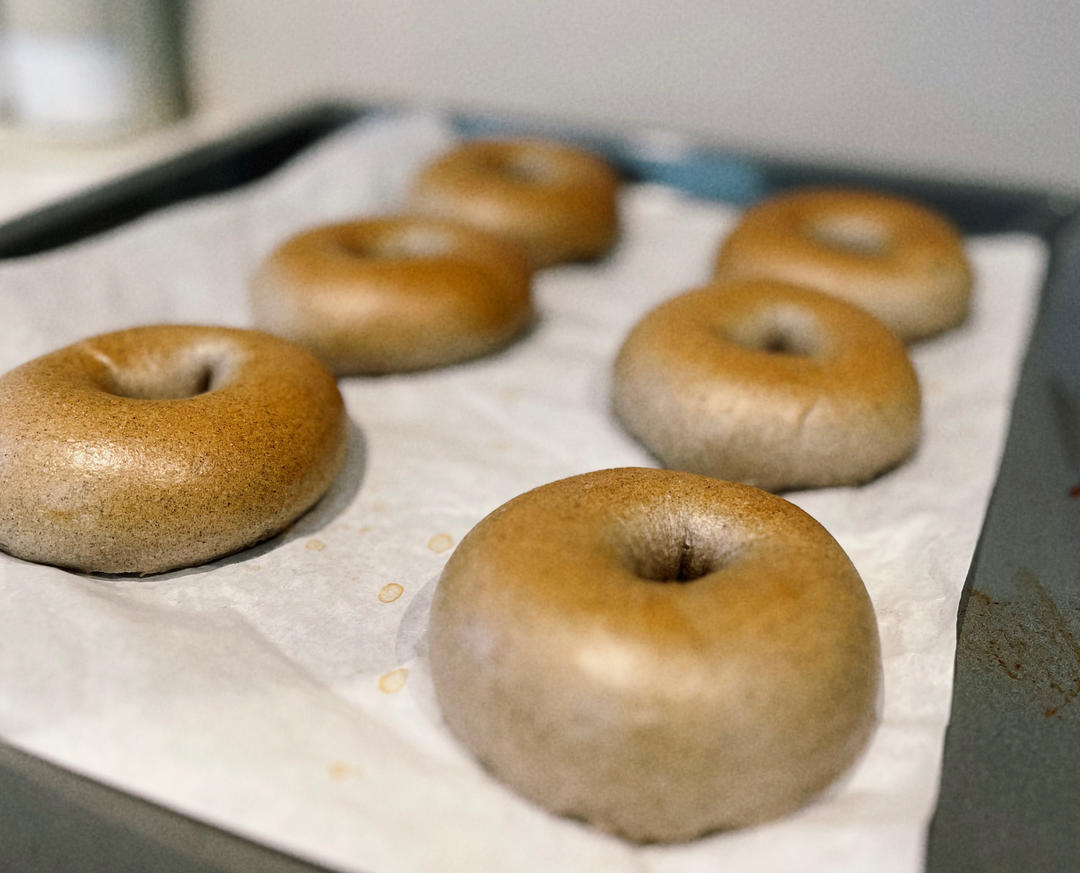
[[413, 243], [780, 331], [171, 381], [671, 558], [780, 342], [852, 234]]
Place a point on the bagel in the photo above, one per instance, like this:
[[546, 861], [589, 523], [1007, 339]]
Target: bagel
[[556, 201], [394, 294], [660, 654], [161, 447], [897, 259], [770, 384]]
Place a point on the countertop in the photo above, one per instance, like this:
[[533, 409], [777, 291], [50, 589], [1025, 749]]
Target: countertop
[[36, 170]]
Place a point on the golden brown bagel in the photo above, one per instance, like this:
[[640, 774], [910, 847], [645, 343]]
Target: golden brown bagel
[[769, 384], [556, 201], [897, 259], [658, 653], [394, 294], [161, 447]]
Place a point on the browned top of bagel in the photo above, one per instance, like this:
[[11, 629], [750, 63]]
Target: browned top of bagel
[[897, 258], [660, 653], [557, 201], [392, 293], [156, 447], [768, 383]]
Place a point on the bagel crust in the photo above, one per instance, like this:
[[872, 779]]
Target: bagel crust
[[897, 259], [660, 654], [555, 201], [769, 384], [394, 294], [162, 447]]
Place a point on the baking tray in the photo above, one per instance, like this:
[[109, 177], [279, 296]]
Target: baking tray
[[1008, 796]]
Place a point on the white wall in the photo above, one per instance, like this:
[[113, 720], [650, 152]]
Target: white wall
[[980, 90]]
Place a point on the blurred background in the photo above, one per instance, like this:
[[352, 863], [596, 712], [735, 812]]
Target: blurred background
[[988, 91]]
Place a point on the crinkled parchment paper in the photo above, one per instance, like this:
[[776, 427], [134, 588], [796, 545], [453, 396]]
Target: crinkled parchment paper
[[283, 692]]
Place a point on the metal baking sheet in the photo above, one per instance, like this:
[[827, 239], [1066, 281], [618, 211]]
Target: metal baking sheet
[[1009, 795]]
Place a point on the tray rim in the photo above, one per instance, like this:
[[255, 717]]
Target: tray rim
[[278, 137]]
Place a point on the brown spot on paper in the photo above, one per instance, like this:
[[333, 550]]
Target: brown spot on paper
[[340, 770], [390, 592], [1031, 640], [315, 545], [394, 681], [441, 542]]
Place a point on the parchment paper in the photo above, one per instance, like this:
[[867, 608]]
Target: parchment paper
[[283, 692]]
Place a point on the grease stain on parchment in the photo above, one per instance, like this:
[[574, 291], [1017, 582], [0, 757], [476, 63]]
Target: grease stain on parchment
[[393, 681], [339, 771], [390, 592], [441, 542]]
